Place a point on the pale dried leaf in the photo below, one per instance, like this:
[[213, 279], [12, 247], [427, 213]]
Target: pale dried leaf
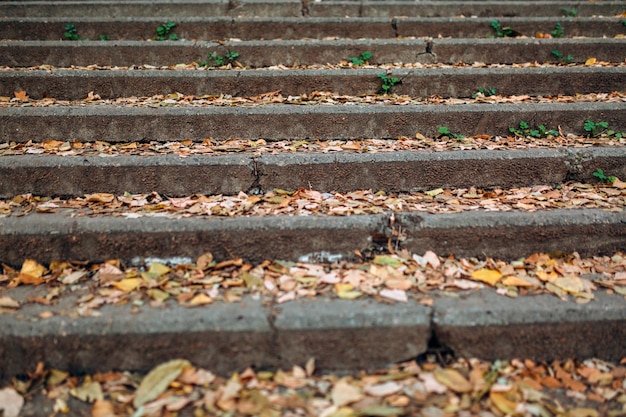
[[158, 379]]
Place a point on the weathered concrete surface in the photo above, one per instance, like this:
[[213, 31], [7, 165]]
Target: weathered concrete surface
[[284, 122], [351, 334], [284, 8], [229, 174], [486, 325], [203, 28], [167, 174], [224, 337], [50, 237], [308, 52], [288, 8], [510, 235], [57, 236], [456, 8], [445, 82]]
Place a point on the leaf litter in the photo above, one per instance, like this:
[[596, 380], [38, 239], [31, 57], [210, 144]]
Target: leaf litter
[[430, 386], [305, 99], [309, 202], [388, 278]]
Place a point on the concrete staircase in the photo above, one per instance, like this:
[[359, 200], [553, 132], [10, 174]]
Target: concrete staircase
[[136, 115]]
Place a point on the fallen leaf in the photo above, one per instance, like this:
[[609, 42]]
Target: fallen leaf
[[379, 411], [396, 295], [128, 284], [387, 260], [434, 192], [570, 284], [582, 412], [21, 95], [453, 379], [31, 272], [514, 281], [158, 269], [88, 392], [158, 379], [102, 408], [504, 403], [199, 300], [618, 184], [344, 393], [346, 291], [8, 302], [432, 259], [10, 402], [590, 61], [100, 198], [489, 276], [383, 390]]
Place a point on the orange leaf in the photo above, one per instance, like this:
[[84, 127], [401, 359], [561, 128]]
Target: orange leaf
[[102, 408], [21, 95]]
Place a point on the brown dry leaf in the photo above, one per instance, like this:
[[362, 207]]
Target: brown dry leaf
[[8, 302], [20, 95], [199, 300], [618, 184], [103, 408], [11, 402], [100, 198], [489, 276], [31, 272], [158, 379], [344, 393], [453, 379], [128, 284], [383, 390], [582, 412]]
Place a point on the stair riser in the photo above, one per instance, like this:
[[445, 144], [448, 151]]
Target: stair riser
[[398, 172], [450, 82], [124, 124], [316, 28], [268, 53]]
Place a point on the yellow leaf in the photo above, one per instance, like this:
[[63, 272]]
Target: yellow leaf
[[513, 281], [32, 268], [489, 276], [128, 284], [346, 291], [590, 61], [434, 192], [503, 403], [570, 284], [158, 269], [453, 379], [88, 392], [387, 260], [158, 379]]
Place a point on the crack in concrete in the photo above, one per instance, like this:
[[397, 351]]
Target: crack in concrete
[[394, 26], [304, 10]]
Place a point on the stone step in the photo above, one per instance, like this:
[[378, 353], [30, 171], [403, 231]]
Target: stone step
[[307, 52], [296, 8], [50, 237], [204, 29], [290, 122], [67, 84], [229, 337], [401, 171]]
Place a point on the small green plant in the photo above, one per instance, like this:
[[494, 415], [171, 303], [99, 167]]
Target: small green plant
[[163, 32], [597, 129], [444, 131], [487, 92], [558, 31], [607, 179], [71, 33], [104, 38], [215, 60], [388, 82], [569, 12], [563, 59], [362, 59], [503, 31], [525, 130]]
